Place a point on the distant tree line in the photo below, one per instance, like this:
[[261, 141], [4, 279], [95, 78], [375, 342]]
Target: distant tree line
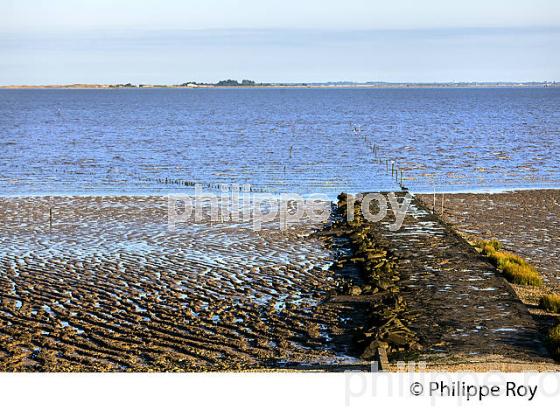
[[235, 83], [127, 85]]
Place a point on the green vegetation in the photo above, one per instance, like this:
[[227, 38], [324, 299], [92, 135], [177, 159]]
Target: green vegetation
[[515, 269], [554, 341], [489, 246], [522, 274], [127, 85], [228, 83], [550, 303], [235, 83]]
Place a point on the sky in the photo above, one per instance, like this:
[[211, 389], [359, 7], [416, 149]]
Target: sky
[[172, 41]]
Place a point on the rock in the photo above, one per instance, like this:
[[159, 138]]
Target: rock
[[313, 331], [371, 351], [414, 345], [397, 339], [376, 254]]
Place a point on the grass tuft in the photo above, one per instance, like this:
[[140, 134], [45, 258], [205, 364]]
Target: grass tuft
[[554, 341], [550, 303], [521, 274], [489, 246], [516, 269]]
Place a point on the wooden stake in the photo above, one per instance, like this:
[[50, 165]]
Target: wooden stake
[[382, 359]]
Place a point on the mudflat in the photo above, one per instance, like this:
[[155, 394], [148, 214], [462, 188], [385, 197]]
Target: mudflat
[[525, 221], [100, 283], [108, 287]]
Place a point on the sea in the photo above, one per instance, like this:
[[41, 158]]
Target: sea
[[277, 140]]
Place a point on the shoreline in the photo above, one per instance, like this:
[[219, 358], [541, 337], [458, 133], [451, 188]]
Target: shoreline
[[480, 191], [489, 191], [287, 86]]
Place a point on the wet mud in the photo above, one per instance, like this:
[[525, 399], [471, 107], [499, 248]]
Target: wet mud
[[527, 222], [466, 310], [109, 288], [104, 285]]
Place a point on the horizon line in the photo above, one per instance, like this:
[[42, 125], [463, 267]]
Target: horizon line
[[332, 83]]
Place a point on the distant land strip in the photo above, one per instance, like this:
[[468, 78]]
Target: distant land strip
[[334, 84]]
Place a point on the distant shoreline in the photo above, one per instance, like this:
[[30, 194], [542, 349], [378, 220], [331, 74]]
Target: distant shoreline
[[294, 85]]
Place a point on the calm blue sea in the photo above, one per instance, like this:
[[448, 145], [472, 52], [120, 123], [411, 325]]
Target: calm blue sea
[[129, 141]]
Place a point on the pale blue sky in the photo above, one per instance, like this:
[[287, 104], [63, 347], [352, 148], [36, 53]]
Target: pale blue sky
[[171, 41]]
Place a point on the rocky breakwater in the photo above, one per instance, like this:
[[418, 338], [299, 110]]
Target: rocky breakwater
[[376, 283]]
